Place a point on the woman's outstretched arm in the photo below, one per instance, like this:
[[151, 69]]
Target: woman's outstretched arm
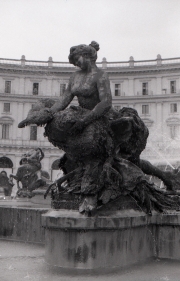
[[64, 100]]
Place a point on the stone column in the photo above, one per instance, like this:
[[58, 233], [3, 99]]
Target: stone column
[[131, 87], [19, 119], [159, 121], [45, 162], [26, 130], [158, 86], [21, 86], [49, 91]]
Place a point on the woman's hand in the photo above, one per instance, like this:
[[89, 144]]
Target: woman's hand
[[78, 127]]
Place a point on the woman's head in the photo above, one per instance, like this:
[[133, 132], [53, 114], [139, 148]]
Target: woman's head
[[84, 51]]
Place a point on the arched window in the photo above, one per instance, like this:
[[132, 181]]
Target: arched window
[[5, 162], [55, 171], [55, 165], [148, 122]]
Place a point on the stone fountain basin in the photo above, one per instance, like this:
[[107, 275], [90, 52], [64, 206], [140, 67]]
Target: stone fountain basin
[[110, 239]]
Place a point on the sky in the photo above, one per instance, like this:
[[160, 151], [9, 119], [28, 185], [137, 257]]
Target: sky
[[39, 29]]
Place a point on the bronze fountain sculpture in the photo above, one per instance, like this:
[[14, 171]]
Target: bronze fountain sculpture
[[30, 174], [102, 146]]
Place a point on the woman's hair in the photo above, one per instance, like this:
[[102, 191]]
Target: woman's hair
[[84, 50]]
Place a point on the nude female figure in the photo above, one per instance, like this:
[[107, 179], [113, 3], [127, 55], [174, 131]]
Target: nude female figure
[[91, 86]]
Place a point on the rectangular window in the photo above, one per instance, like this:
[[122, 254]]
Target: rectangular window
[[35, 88], [6, 107], [62, 89], [5, 131], [145, 109], [117, 91], [33, 132], [173, 87], [117, 107], [145, 88], [7, 87], [173, 107]]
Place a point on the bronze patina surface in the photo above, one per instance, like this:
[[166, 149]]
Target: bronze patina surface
[[102, 146]]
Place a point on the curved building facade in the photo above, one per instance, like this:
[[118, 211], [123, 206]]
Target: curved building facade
[[152, 87]]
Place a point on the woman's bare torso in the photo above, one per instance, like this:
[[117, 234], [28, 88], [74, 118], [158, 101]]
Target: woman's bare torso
[[84, 87]]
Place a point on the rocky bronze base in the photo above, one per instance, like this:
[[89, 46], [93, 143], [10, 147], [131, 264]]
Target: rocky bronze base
[[65, 201], [71, 201]]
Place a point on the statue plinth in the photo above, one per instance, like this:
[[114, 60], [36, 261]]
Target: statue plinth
[[109, 240], [38, 197]]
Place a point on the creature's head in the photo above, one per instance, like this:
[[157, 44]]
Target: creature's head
[[23, 161], [128, 112], [36, 153], [40, 153], [82, 55], [39, 114], [4, 173]]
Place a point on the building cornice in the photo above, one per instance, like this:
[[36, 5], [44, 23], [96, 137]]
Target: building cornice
[[138, 98], [50, 67], [146, 98], [25, 98]]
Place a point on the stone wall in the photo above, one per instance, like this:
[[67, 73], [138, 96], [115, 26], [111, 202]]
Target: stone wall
[[22, 224]]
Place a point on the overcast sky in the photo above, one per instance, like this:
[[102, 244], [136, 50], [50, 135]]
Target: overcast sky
[[123, 28]]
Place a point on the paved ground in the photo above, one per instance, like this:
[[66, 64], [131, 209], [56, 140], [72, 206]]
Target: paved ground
[[25, 262]]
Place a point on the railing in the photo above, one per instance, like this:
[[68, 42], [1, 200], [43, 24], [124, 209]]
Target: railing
[[113, 64], [25, 143], [39, 93], [171, 61], [122, 94], [104, 64], [148, 93], [63, 64], [169, 92], [24, 62], [13, 92], [10, 61]]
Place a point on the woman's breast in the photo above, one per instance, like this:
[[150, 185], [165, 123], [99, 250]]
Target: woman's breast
[[88, 102], [84, 91]]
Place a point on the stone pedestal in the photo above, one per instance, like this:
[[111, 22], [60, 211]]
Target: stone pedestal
[[110, 240]]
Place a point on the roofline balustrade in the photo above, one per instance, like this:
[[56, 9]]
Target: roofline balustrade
[[104, 64]]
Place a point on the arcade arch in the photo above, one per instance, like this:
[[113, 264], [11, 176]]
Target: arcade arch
[[55, 171], [6, 164]]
